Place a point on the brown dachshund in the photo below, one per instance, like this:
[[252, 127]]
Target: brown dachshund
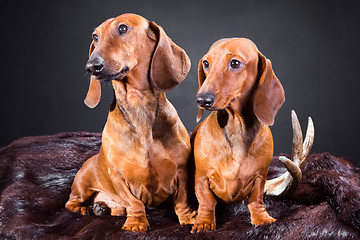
[[233, 146], [145, 147]]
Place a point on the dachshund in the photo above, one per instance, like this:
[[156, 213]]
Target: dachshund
[[143, 158], [233, 146]]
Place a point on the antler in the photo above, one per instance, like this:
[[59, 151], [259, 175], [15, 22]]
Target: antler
[[300, 150]]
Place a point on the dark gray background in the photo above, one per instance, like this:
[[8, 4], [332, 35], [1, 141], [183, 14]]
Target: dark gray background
[[313, 45]]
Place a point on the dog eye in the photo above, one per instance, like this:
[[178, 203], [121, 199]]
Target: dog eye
[[206, 64], [235, 63], [95, 37], [123, 29]]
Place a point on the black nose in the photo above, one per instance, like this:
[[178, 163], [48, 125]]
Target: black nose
[[205, 99], [95, 65]]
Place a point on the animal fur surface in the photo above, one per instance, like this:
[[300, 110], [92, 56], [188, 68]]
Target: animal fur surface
[[36, 175]]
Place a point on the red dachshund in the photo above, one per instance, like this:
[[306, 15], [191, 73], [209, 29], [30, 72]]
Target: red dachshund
[[233, 146], [145, 147]]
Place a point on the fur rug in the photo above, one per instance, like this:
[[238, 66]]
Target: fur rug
[[37, 172]]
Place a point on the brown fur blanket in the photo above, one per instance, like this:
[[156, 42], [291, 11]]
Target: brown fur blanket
[[36, 174]]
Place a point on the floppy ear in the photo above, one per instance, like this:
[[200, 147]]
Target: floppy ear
[[269, 94], [94, 93], [169, 64], [201, 79], [201, 75]]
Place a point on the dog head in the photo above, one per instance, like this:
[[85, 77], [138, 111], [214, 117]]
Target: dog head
[[234, 73], [127, 45]]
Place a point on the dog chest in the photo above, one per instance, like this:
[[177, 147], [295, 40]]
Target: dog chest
[[232, 181], [153, 183], [149, 173]]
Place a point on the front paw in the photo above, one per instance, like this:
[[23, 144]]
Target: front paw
[[188, 218], [262, 219], [203, 226], [136, 224]]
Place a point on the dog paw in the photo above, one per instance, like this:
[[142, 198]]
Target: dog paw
[[136, 224], [188, 218], [257, 221], [203, 227], [77, 208], [100, 208]]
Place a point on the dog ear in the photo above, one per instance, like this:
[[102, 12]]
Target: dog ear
[[201, 75], [94, 93], [169, 64], [201, 79], [269, 94]]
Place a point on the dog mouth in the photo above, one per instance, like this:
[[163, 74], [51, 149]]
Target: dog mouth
[[115, 76], [208, 108]]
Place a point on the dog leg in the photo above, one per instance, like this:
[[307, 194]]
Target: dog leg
[[182, 208], [135, 209], [136, 220], [119, 211], [258, 213], [81, 188], [205, 220]]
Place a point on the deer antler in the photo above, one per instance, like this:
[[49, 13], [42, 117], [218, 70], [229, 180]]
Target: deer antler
[[300, 150]]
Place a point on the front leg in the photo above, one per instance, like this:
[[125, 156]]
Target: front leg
[[258, 213], [136, 220], [182, 208], [205, 220]]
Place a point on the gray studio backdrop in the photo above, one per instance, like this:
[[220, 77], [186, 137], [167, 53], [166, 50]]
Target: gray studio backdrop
[[313, 45]]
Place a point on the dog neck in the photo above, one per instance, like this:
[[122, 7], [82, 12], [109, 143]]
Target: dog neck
[[242, 107], [240, 126], [131, 118], [247, 123], [137, 107]]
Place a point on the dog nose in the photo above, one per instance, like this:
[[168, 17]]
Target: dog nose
[[95, 65], [205, 99]]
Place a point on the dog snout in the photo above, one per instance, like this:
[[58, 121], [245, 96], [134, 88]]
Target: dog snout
[[205, 100], [95, 65]]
